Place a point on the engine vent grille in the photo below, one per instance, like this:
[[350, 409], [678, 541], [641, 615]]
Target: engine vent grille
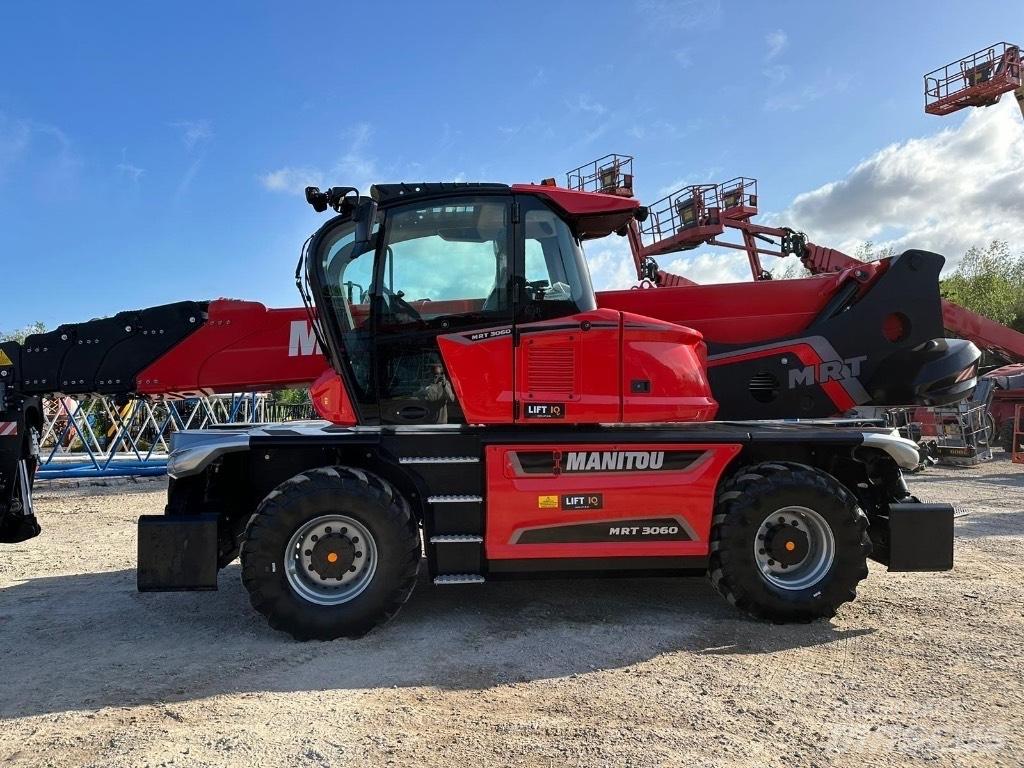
[[551, 369], [764, 387]]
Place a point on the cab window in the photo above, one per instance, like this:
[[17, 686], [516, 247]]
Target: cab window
[[446, 260], [555, 276]]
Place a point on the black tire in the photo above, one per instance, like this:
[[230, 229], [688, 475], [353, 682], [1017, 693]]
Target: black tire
[[360, 496], [751, 498], [1006, 435]]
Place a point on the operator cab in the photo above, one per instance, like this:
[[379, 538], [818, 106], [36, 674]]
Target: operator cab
[[426, 292]]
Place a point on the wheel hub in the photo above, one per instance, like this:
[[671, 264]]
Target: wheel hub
[[787, 544], [330, 559], [794, 548], [332, 556]]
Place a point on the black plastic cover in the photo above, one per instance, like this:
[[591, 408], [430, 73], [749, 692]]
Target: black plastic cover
[[105, 356], [177, 553], [914, 537], [454, 557], [938, 372], [386, 194]]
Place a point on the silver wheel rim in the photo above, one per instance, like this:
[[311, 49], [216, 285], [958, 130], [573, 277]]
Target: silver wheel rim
[[311, 585], [821, 548]]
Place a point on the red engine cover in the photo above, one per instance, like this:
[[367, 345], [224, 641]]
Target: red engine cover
[[595, 367]]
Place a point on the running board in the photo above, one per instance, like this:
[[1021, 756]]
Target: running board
[[439, 460], [459, 578]]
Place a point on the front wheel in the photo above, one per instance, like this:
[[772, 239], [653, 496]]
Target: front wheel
[[332, 552], [788, 542]]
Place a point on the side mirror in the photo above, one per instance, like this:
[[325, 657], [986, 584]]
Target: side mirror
[[365, 216]]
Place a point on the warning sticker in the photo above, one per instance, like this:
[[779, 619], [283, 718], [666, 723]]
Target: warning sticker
[[4, 359], [547, 502], [10, 429]]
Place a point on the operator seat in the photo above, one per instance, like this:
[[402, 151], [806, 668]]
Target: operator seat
[[493, 302]]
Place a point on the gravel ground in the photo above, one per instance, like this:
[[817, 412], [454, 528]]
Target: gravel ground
[[923, 669]]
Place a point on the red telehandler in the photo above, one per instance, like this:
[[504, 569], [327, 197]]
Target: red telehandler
[[484, 404]]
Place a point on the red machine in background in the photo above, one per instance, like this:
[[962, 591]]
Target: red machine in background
[[977, 80]]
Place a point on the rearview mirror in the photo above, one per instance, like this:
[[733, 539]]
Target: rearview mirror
[[365, 216]]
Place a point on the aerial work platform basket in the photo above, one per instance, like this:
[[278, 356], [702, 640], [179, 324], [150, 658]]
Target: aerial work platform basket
[[611, 175], [697, 214], [978, 80]]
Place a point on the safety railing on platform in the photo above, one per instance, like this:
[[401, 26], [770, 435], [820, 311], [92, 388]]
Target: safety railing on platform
[[611, 175], [974, 81], [686, 218], [93, 436]]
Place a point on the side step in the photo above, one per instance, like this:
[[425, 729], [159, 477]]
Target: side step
[[459, 578]]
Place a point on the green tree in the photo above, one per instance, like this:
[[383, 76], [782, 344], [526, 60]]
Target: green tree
[[990, 281], [790, 271], [19, 334], [867, 251]]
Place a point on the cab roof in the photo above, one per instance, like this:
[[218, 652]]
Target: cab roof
[[591, 214]]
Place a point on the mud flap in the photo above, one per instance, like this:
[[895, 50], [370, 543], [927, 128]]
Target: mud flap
[[914, 537], [177, 553]]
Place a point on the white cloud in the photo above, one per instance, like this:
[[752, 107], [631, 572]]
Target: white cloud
[[585, 103], [188, 177], [776, 42], [684, 58], [674, 15], [710, 266], [959, 187], [776, 74], [47, 146], [610, 262], [293, 180], [15, 137], [355, 168], [827, 84], [129, 171], [194, 132], [704, 176]]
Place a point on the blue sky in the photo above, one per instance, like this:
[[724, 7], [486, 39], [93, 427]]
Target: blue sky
[[151, 153]]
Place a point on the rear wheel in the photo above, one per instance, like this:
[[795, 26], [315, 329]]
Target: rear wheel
[[788, 542], [1006, 435], [330, 553]]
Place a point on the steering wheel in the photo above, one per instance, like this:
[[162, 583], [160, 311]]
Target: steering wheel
[[535, 290], [396, 304]]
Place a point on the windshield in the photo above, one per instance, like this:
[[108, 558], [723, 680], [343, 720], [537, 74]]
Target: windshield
[[346, 274]]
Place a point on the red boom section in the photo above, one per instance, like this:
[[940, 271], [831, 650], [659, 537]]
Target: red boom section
[[732, 313], [242, 346], [988, 334]]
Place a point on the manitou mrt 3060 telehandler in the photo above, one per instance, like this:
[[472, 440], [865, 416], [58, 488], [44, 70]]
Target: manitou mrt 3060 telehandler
[[555, 436]]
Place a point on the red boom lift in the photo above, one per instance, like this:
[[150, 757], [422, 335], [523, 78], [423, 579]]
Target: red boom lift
[[980, 80]]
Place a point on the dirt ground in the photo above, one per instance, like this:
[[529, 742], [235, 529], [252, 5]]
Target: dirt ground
[[923, 669]]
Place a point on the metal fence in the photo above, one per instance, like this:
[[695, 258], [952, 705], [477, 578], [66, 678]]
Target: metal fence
[[94, 436]]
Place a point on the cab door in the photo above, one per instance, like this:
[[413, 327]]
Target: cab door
[[443, 311], [567, 351]]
